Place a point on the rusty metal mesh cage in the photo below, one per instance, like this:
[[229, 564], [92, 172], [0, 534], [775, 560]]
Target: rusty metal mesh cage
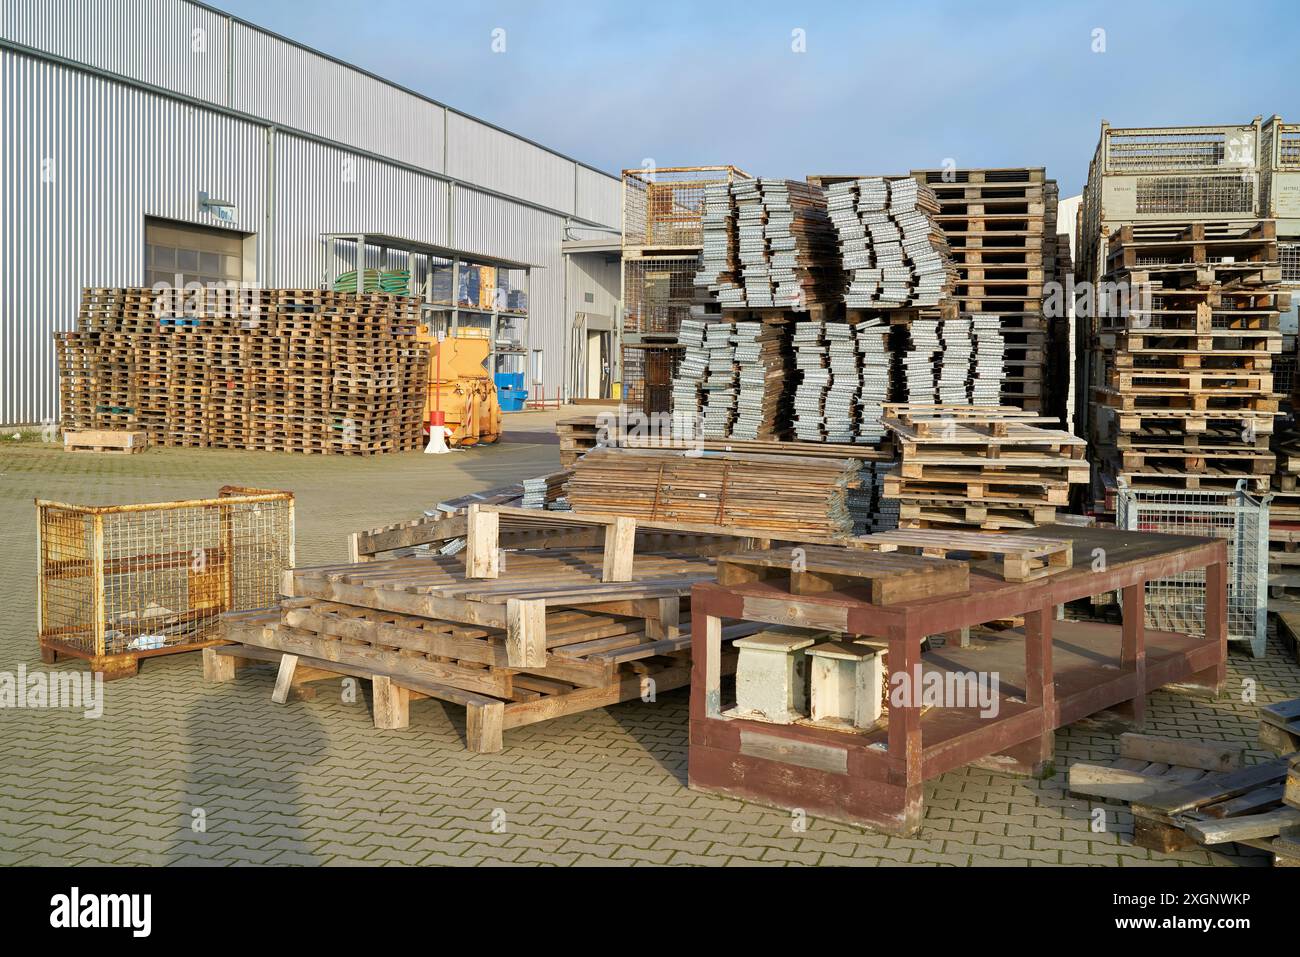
[[1171, 148], [1196, 194], [125, 579], [657, 293], [665, 207]]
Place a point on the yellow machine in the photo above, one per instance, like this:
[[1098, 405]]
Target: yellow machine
[[460, 386]]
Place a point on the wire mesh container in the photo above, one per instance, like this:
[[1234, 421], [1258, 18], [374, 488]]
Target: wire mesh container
[[132, 580], [665, 206], [1177, 603], [657, 293]]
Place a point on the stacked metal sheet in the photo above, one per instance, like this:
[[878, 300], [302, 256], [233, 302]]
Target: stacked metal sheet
[[923, 352], [815, 378], [719, 266], [720, 383], [894, 251], [762, 358], [546, 491], [874, 358], [988, 367], [783, 243], [841, 410], [694, 366], [953, 367]]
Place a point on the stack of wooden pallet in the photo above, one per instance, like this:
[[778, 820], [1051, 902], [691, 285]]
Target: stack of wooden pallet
[[577, 434], [973, 466], [544, 634], [999, 226], [286, 370], [892, 248], [1183, 395], [797, 495]]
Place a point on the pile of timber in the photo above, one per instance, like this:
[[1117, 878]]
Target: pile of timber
[[298, 370], [972, 466], [1182, 394], [1186, 794], [796, 495], [543, 634], [1001, 230], [891, 245]]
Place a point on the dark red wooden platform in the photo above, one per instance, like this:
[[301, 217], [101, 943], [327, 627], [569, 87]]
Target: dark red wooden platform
[[1051, 673]]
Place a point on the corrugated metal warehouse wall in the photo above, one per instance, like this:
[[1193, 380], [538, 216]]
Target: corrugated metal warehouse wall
[[300, 144]]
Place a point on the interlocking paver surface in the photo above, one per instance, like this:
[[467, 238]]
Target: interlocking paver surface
[[312, 782]]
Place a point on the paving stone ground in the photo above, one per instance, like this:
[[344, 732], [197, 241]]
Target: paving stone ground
[[314, 783]]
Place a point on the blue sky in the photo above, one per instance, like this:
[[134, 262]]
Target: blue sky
[[880, 88]]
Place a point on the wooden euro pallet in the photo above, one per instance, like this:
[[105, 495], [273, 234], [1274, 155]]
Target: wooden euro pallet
[[1021, 558]]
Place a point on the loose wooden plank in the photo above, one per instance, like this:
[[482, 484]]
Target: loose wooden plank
[[1208, 756], [1179, 799], [1244, 828]]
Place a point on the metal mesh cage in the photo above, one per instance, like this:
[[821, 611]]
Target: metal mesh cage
[[1289, 254], [1140, 150], [1196, 194], [124, 579], [1178, 603], [664, 207], [657, 293]]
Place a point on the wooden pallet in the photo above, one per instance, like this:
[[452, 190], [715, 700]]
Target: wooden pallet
[[1021, 558], [888, 579], [576, 647], [105, 440]]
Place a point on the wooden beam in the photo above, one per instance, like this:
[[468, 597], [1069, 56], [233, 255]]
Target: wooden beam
[[284, 679], [1246, 828], [1208, 756], [391, 704], [620, 550], [482, 543], [526, 632]]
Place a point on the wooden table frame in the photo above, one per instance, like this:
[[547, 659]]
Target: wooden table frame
[[876, 778]]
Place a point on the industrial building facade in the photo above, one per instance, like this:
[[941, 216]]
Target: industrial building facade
[[146, 138]]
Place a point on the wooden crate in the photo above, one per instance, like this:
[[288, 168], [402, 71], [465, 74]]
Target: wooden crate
[[105, 440]]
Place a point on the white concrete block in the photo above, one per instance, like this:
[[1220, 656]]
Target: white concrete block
[[847, 683], [772, 675]]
